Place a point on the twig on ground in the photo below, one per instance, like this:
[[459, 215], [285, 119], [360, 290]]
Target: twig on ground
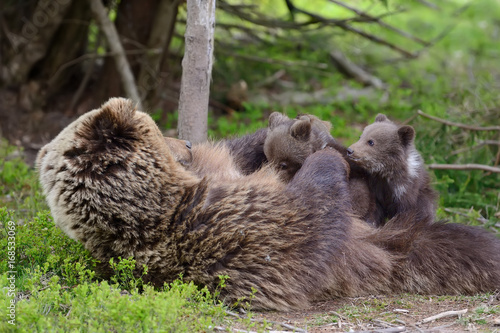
[[479, 219], [354, 71], [300, 63], [385, 330], [441, 315], [469, 166], [383, 323], [451, 123], [479, 145], [271, 79], [295, 329]]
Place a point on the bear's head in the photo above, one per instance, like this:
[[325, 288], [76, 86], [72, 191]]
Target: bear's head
[[110, 169], [290, 141], [385, 147]]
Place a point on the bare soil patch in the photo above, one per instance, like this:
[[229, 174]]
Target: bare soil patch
[[401, 313]]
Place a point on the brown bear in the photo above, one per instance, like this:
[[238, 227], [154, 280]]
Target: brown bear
[[248, 151], [290, 141], [114, 183], [397, 172]]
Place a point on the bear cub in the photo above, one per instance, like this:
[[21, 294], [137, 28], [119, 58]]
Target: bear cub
[[290, 141], [397, 174]]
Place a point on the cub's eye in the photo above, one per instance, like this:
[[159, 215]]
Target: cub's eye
[[371, 143], [283, 166]]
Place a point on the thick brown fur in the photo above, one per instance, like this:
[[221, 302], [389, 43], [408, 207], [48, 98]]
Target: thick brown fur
[[248, 151], [290, 141], [440, 258], [113, 183], [397, 173]]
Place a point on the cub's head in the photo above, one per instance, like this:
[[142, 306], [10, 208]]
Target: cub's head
[[290, 141], [385, 147], [110, 170]]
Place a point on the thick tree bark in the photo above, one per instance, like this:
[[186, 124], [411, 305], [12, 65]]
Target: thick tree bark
[[68, 44], [196, 70], [34, 40], [116, 47]]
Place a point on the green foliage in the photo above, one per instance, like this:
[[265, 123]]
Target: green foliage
[[19, 187], [54, 284], [124, 274], [103, 307], [454, 79]]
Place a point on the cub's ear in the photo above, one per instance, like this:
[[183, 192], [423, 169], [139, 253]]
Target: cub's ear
[[322, 125], [406, 134], [301, 129], [276, 119], [381, 117]]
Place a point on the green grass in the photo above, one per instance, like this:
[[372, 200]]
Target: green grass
[[456, 79], [57, 288]]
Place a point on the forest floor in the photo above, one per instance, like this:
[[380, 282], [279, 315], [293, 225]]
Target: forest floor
[[402, 313]]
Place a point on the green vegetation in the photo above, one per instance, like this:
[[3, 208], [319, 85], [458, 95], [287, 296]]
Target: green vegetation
[[456, 79]]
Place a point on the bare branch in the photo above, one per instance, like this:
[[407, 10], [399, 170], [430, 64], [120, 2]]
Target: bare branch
[[379, 40], [354, 71], [381, 23], [451, 123], [298, 63], [445, 314], [470, 166], [342, 24], [122, 64], [479, 219], [479, 145]]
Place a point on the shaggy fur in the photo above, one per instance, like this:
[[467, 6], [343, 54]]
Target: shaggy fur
[[248, 151], [290, 141], [397, 174], [114, 184], [440, 258]]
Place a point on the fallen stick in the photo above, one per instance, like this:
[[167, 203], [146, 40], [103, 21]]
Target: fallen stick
[[469, 166], [441, 315], [295, 329], [385, 330], [451, 123]]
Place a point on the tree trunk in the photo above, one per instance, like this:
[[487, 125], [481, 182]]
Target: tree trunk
[[68, 44], [196, 70], [34, 40]]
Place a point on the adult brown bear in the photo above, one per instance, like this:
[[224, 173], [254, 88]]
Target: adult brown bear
[[115, 184]]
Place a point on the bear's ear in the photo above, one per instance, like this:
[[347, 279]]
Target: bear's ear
[[301, 129], [406, 135], [276, 119], [115, 119], [381, 117]]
